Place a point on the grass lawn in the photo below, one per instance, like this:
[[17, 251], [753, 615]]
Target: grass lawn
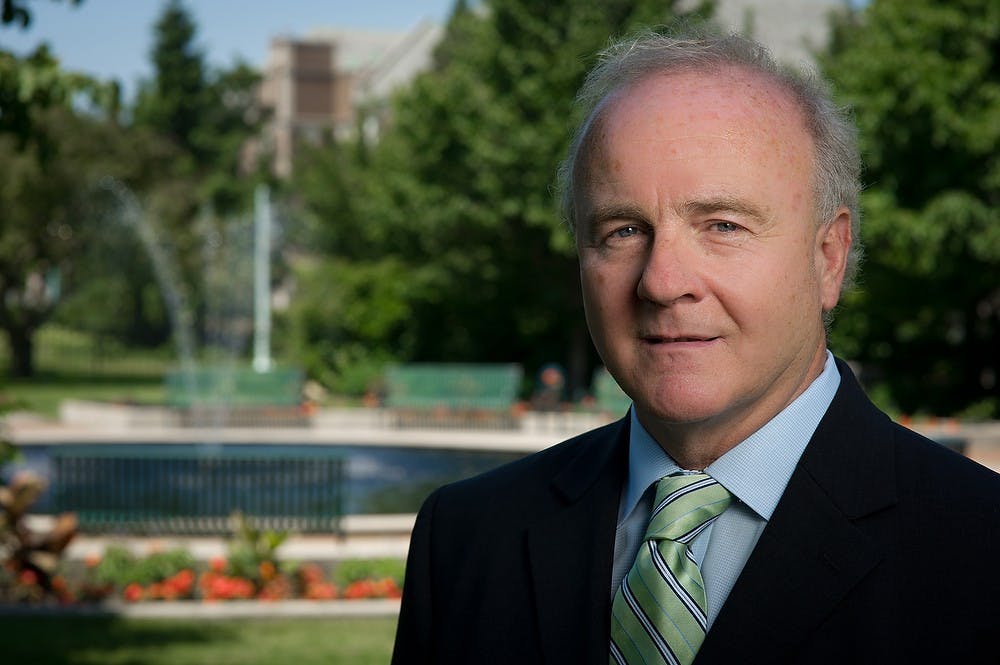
[[43, 393], [73, 365], [104, 641]]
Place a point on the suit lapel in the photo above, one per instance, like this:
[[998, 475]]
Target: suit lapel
[[810, 555], [571, 550]]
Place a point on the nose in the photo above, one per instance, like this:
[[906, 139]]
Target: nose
[[670, 272]]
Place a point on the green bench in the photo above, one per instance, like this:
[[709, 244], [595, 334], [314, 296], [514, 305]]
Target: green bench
[[453, 395], [237, 396]]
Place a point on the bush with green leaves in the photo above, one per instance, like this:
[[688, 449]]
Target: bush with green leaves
[[355, 570], [251, 547], [120, 567]]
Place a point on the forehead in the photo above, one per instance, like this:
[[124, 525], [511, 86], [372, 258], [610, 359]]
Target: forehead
[[697, 114]]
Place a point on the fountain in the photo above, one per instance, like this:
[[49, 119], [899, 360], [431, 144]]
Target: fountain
[[233, 435], [217, 387]]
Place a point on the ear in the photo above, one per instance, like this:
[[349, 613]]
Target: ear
[[833, 244]]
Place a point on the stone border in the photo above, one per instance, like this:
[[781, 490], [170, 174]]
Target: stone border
[[205, 610]]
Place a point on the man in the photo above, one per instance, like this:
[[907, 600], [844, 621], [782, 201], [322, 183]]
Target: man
[[713, 198]]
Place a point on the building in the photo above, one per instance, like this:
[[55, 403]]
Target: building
[[314, 86], [792, 29]]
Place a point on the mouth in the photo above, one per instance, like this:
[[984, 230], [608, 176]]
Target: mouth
[[680, 339]]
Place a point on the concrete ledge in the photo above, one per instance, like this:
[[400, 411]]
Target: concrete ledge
[[296, 548], [82, 421], [201, 610]]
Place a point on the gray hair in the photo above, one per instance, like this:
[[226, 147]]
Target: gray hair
[[837, 167]]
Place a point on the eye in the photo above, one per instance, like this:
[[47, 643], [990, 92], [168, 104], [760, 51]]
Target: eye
[[626, 231], [726, 227]]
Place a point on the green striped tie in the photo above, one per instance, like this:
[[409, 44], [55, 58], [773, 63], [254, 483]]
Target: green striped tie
[[658, 614]]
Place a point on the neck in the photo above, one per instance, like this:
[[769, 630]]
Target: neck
[[693, 448]]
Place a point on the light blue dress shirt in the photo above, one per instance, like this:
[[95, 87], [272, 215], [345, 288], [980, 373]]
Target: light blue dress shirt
[[756, 472]]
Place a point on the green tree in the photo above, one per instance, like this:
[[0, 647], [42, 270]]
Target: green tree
[[173, 102], [458, 189], [924, 78], [180, 157], [47, 149], [44, 195], [194, 199], [209, 115], [16, 11]]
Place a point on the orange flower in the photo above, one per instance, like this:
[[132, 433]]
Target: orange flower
[[321, 591], [277, 589], [220, 587], [217, 564], [133, 593], [311, 573], [183, 582], [267, 571], [359, 589], [387, 588]]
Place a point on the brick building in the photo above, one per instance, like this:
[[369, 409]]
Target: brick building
[[314, 86]]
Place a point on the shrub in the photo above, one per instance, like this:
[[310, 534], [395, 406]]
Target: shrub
[[121, 567], [356, 570]]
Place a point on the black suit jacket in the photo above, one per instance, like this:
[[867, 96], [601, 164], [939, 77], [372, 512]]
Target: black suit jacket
[[884, 548]]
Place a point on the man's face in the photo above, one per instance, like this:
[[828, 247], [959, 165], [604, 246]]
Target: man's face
[[704, 274]]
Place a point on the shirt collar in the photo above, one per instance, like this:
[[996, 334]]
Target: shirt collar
[[757, 470]]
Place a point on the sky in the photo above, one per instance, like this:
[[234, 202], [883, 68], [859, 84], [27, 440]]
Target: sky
[[112, 38]]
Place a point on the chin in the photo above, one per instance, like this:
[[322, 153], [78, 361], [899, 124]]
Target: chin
[[680, 409]]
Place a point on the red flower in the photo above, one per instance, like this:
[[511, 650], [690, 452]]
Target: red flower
[[368, 588], [277, 589], [28, 577], [311, 573], [321, 591], [133, 593], [359, 589]]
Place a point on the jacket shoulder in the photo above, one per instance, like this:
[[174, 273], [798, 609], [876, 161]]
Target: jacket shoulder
[[944, 479], [543, 466]]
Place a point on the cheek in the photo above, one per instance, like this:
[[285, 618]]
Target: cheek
[[767, 294], [594, 289], [603, 304]]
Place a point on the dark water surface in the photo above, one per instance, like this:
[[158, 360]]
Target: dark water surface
[[374, 479]]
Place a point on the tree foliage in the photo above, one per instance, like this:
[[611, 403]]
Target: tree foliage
[[924, 79], [67, 240], [17, 12], [457, 192], [46, 149], [192, 201], [174, 101]]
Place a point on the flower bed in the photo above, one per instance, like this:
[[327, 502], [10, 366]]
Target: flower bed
[[175, 575], [33, 571]]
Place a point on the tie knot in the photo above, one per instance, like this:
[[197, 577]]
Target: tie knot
[[685, 505]]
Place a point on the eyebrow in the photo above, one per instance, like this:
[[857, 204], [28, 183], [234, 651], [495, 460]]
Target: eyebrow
[[724, 204], [697, 207], [613, 211]]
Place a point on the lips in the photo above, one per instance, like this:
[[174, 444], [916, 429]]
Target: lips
[[675, 339]]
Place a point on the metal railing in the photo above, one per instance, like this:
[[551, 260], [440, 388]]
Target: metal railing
[[186, 489]]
